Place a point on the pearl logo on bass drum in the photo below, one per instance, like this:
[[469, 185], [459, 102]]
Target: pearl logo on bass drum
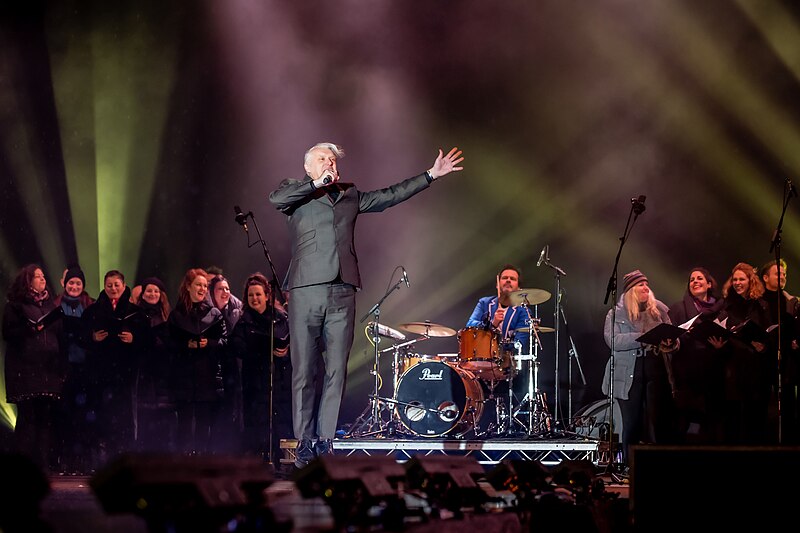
[[427, 375]]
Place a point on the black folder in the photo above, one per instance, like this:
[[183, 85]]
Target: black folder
[[748, 331], [708, 328], [661, 333], [117, 325], [47, 319], [214, 331]]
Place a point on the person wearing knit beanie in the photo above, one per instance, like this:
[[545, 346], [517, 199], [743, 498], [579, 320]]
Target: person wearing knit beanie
[[153, 281], [74, 271], [632, 278]]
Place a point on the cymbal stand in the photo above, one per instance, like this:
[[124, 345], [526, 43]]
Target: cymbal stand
[[374, 424]]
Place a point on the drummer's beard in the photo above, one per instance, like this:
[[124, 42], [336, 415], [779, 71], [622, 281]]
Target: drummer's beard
[[505, 299]]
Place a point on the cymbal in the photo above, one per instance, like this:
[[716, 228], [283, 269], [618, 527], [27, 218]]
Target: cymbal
[[428, 328], [528, 296], [541, 329]]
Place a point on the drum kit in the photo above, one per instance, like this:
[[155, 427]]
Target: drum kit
[[450, 394]]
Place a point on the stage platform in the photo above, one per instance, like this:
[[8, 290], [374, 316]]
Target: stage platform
[[486, 452]]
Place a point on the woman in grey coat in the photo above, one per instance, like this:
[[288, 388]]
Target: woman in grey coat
[[641, 371]]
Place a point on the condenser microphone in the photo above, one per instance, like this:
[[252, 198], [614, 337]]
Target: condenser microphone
[[638, 204], [241, 218], [542, 255], [386, 331], [405, 277]]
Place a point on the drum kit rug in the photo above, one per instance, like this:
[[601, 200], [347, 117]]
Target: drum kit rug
[[451, 395]]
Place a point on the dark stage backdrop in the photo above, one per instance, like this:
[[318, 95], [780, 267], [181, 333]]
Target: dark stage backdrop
[[129, 131]]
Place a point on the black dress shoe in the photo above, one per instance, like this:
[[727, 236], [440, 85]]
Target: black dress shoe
[[304, 453], [324, 447]]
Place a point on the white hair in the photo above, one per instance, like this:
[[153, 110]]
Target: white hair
[[337, 150]]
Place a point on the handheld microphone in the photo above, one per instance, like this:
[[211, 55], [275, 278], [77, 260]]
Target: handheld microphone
[[405, 277], [327, 179], [241, 218], [638, 204], [542, 255]]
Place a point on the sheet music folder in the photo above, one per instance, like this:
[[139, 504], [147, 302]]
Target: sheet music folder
[[660, 333], [748, 331], [45, 320], [709, 328]]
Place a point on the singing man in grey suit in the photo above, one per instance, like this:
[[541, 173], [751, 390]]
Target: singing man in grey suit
[[323, 278]]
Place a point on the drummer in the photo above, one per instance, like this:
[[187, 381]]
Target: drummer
[[499, 315]]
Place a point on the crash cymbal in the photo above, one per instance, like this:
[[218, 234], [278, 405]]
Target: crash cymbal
[[428, 329], [542, 329], [528, 296]]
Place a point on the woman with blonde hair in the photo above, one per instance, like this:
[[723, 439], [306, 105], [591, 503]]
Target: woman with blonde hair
[[641, 381]]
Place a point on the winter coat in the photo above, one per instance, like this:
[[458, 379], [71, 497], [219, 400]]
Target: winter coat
[[35, 364]]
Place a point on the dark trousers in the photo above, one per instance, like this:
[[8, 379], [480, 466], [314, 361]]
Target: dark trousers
[[647, 414], [33, 434], [195, 426]]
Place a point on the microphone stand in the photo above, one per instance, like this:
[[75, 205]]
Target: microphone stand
[[557, 319], [775, 244], [573, 353], [274, 293], [637, 208], [374, 424]]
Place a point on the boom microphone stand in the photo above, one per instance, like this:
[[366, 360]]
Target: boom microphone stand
[[556, 321], [788, 192], [275, 291], [637, 208], [374, 424], [573, 354]]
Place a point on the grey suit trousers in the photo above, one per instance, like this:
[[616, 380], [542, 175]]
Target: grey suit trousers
[[321, 321]]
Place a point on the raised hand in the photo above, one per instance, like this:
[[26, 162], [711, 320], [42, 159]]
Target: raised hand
[[445, 164]]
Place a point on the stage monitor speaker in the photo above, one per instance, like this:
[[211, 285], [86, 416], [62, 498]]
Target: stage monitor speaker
[[523, 478], [377, 476], [448, 481], [159, 485], [360, 491], [714, 488]]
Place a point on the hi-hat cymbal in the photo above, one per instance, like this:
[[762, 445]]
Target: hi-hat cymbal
[[528, 296], [428, 329], [542, 329]]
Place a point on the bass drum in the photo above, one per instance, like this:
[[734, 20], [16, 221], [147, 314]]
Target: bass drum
[[593, 421], [434, 399]]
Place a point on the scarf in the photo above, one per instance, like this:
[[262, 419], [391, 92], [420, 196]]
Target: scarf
[[702, 306], [39, 297]]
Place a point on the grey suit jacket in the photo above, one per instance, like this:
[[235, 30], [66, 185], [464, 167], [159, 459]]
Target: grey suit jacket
[[322, 229]]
